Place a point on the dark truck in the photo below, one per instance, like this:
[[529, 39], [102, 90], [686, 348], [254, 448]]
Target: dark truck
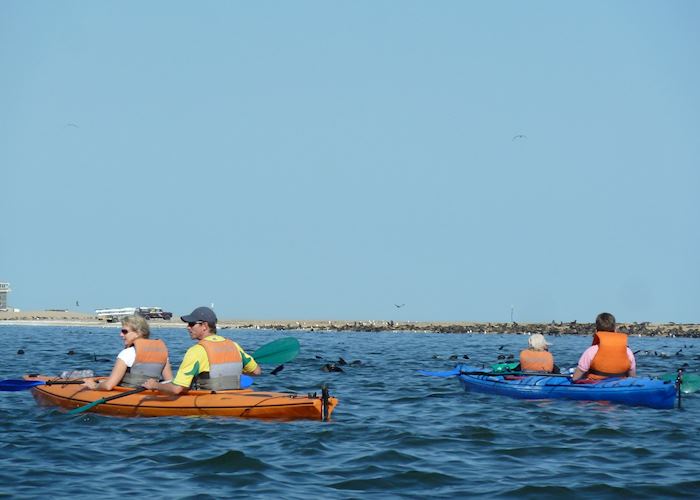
[[153, 313]]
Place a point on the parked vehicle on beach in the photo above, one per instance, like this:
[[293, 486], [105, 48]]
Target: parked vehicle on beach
[[153, 313], [112, 315], [148, 312]]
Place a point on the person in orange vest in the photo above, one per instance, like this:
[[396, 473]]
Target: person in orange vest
[[214, 363], [609, 355], [142, 358], [537, 358]]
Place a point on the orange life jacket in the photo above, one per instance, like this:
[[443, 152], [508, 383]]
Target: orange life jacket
[[536, 361], [611, 359], [225, 366], [151, 357]]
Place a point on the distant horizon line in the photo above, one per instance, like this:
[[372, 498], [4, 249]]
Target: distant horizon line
[[32, 315]]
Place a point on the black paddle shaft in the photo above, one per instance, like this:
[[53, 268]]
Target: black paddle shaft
[[127, 393], [524, 374]]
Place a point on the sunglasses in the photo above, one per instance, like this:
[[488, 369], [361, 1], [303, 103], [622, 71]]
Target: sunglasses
[[192, 323], [124, 331]]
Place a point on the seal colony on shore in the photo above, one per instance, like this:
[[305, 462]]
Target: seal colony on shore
[[645, 329]]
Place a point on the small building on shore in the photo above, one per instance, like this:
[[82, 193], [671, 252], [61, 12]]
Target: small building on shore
[[4, 291]]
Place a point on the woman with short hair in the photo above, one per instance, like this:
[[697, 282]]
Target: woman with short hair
[[142, 358]]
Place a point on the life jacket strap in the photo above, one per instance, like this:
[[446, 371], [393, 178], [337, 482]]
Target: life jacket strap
[[222, 383], [607, 374], [134, 379]]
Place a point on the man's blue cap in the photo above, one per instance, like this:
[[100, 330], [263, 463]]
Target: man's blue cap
[[200, 314]]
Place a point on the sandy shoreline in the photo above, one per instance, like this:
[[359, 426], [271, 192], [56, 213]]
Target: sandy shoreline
[[72, 318]]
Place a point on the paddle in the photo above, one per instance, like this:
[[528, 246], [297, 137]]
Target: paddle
[[456, 371], [451, 373], [246, 381], [500, 367], [81, 409], [21, 385], [690, 382], [277, 352]]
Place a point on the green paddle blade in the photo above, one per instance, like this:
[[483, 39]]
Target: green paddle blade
[[690, 383], [277, 352], [504, 367], [81, 409]]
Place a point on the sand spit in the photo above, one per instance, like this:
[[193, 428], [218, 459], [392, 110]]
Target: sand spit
[[72, 318]]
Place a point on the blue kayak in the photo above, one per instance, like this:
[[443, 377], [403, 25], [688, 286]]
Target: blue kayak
[[635, 391]]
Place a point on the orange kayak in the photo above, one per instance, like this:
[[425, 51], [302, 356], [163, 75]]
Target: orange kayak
[[244, 403]]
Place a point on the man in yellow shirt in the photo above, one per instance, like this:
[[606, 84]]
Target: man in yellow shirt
[[214, 363]]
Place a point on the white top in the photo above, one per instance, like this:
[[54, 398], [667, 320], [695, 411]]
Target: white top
[[128, 356]]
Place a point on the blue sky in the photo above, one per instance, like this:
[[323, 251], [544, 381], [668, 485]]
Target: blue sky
[[327, 160]]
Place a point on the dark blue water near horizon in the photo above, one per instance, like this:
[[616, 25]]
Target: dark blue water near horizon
[[394, 434]]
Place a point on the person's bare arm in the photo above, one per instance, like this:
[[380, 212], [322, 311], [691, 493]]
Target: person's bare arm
[[168, 387], [114, 378], [578, 374]]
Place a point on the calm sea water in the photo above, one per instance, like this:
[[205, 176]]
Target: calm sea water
[[395, 434]]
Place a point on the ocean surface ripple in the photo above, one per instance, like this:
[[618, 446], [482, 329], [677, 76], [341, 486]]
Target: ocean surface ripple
[[394, 434]]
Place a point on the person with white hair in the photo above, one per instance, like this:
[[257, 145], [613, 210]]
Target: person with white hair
[[537, 358]]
